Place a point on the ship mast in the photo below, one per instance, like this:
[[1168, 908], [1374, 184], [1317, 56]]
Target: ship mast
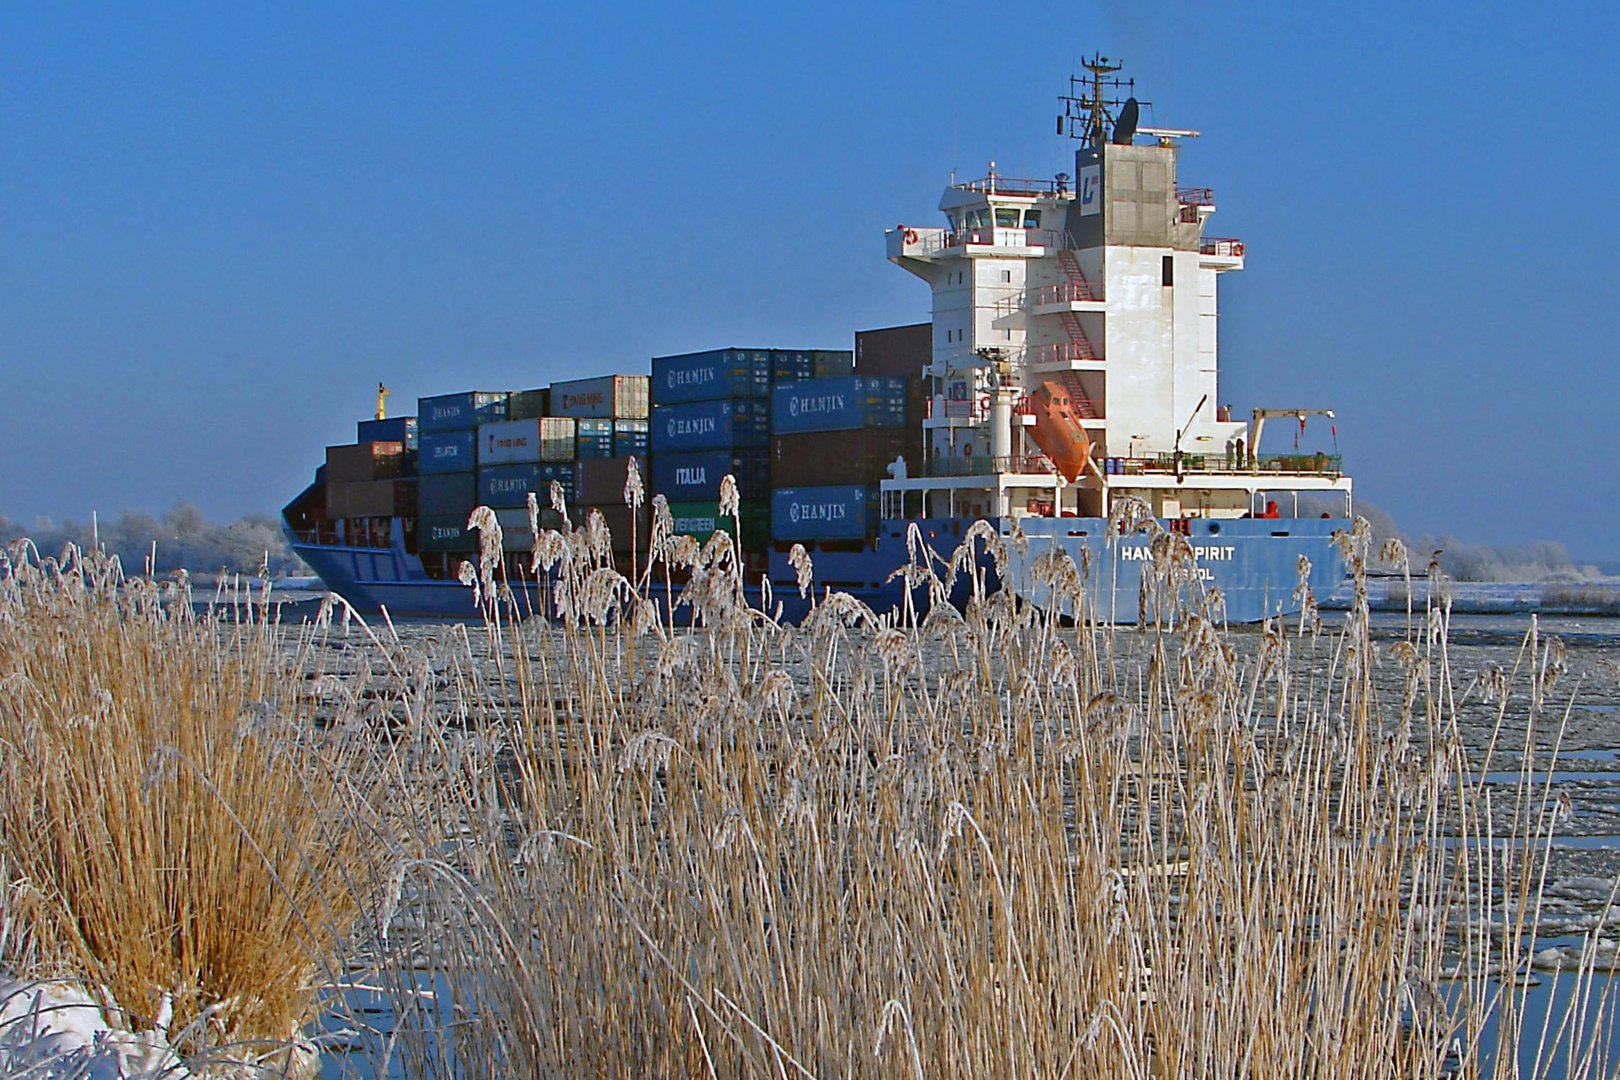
[[1086, 112]]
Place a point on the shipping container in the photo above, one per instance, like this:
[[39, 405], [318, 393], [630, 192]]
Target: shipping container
[[824, 458], [901, 351], [607, 397], [445, 532], [593, 439], [400, 429], [792, 365], [838, 405], [447, 493], [364, 461], [509, 485], [700, 520], [529, 405], [833, 363], [447, 451], [460, 412], [630, 438], [711, 425], [600, 481], [692, 476], [715, 375], [836, 512], [627, 534], [545, 438], [371, 498]]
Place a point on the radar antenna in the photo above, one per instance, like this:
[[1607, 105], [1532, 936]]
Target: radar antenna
[[1087, 107]]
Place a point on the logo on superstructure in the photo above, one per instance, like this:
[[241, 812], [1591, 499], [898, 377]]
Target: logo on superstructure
[[1090, 190]]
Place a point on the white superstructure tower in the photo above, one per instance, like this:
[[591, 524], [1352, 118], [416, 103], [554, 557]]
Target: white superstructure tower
[[1075, 330]]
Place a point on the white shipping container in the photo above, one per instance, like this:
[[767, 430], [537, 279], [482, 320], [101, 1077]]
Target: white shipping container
[[509, 442], [556, 438], [607, 397]]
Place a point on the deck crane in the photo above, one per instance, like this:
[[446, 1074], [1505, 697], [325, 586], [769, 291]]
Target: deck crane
[[1262, 415]]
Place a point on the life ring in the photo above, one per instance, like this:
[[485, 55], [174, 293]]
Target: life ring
[[911, 236]]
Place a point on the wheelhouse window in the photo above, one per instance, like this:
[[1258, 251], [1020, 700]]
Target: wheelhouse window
[[1032, 219], [1006, 217], [978, 218]]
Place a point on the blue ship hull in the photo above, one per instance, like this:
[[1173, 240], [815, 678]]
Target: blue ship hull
[[1255, 563]]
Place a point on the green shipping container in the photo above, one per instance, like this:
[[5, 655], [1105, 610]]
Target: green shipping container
[[700, 520], [528, 405]]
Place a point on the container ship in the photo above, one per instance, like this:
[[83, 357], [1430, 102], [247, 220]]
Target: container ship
[[1065, 393]]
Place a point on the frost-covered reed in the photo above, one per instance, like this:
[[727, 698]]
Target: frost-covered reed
[[992, 842], [987, 842], [177, 834]]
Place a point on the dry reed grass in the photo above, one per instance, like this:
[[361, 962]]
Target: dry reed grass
[[974, 843], [176, 832], [985, 844]]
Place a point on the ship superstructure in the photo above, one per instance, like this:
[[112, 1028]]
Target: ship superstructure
[[1075, 341]]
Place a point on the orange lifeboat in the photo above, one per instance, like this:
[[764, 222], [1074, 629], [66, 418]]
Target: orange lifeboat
[[1058, 431]]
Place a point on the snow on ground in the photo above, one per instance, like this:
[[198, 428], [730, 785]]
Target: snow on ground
[[56, 1031]]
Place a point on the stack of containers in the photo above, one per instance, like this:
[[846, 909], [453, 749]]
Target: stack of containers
[[834, 442], [520, 457], [609, 413], [901, 352], [447, 460], [368, 480], [711, 416]]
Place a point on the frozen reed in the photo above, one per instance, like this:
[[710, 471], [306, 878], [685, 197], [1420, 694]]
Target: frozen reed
[[989, 842], [177, 834]]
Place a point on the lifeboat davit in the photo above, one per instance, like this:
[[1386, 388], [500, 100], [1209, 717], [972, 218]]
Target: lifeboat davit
[[1058, 431]]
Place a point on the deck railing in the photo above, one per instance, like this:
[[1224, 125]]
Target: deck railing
[[1063, 292], [1222, 246]]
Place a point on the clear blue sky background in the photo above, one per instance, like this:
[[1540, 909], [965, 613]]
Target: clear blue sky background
[[219, 230]]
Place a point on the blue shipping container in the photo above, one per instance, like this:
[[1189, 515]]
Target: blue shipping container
[[630, 438], [509, 485], [446, 451], [447, 493], [593, 439], [458, 412], [711, 376], [846, 404], [844, 512], [792, 365], [711, 425], [696, 476], [400, 429]]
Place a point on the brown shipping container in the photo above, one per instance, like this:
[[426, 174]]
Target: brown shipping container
[[625, 536], [365, 461], [819, 458], [900, 351], [600, 481], [370, 498]]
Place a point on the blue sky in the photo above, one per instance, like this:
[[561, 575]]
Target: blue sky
[[220, 229]]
